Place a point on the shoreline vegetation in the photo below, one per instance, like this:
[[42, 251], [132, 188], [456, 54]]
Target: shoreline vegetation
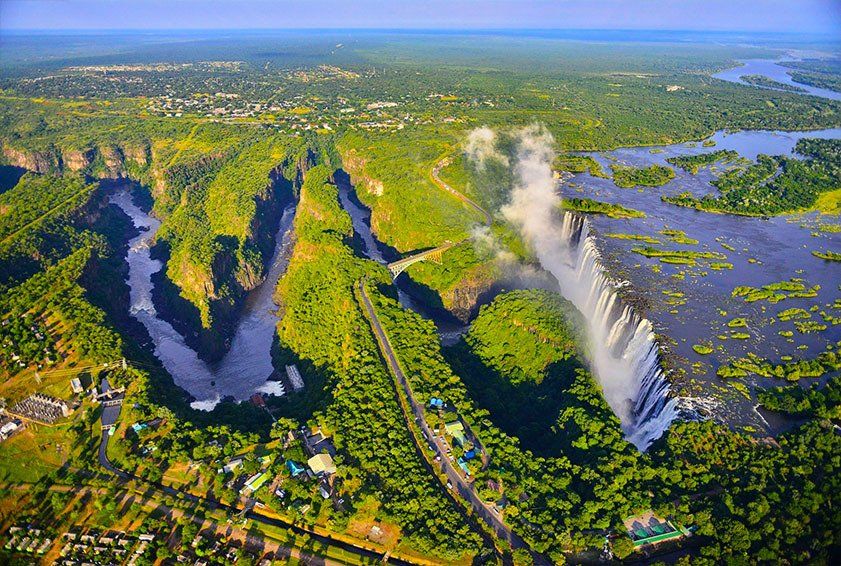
[[766, 82], [590, 206], [628, 177], [775, 185], [694, 163]]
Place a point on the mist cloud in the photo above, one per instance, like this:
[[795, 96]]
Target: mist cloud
[[481, 147]]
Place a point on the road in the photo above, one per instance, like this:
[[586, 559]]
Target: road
[[437, 169], [460, 485], [251, 514]]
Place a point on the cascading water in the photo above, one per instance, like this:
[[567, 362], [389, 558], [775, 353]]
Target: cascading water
[[622, 350], [625, 354]]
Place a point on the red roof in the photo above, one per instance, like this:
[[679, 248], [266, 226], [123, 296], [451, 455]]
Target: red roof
[[258, 400]]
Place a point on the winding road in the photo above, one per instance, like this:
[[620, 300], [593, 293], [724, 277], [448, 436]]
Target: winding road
[[460, 485], [443, 185]]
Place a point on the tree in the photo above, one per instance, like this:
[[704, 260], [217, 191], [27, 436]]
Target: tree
[[622, 546]]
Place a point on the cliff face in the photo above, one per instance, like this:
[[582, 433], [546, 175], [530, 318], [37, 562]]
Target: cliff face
[[354, 164], [104, 161], [204, 299], [45, 161], [464, 299]]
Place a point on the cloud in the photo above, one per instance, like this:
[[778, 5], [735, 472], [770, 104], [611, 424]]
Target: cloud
[[481, 147]]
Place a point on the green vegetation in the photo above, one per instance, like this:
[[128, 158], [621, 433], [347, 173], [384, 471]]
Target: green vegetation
[[823, 402], [597, 207], [694, 163], [679, 237], [775, 292], [766, 82], [774, 185], [579, 164], [630, 177], [635, 237], [820, 73], [822, 364], [574, 441], [330, 336], [703, 349], [828, 256], [681, 257]]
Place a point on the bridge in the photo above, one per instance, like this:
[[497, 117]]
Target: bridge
[[399, 266]]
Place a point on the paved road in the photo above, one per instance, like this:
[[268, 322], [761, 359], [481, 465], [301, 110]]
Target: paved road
[[460, 485], [251, 514], [437, 169]]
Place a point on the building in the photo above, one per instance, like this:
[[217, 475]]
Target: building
[[648, 528], [295, 377], [9, 428], [258, 401], [294, 468], [322, 464], [456, 430], [436, 403], [41, 408], [230, 466], [76, 385], [255, 482]]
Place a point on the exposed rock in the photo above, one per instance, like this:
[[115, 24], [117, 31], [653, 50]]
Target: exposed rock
[[78, 160], [355, 167], [45, 161]]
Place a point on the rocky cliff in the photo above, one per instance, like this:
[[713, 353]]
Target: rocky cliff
[[101, 161]]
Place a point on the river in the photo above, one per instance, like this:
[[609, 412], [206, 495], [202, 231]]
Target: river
[[763, 251], [247, 366], [773, 70]]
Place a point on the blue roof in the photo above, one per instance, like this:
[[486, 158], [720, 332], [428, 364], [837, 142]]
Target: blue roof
[[294, 468], [469, 455], [463, 465], [436, 402]]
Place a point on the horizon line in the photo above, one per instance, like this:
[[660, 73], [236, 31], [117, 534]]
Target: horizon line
[[423, 29]]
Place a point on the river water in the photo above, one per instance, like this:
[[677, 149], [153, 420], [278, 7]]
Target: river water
[[247, 366], [773, 70], [765, 251]]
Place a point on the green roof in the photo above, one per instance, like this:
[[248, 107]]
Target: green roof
[[258, 483]]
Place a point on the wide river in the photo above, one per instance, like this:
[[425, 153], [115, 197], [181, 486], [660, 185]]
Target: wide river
[[773, 70], [763, 251], [247, 366]]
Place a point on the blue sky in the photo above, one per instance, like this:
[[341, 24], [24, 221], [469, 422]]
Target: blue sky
[[817, 16]]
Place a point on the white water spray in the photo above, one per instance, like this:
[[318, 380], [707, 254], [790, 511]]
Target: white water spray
[[623, 352]]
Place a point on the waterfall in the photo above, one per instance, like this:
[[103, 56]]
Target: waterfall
[[623, 350]]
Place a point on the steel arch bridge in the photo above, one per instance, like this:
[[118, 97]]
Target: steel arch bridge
[[399, 266]]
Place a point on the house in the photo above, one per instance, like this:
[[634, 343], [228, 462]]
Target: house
[[76, 385], [230, 466], [436, 403], [258, 401], [294, 468], [9, 428], [255, 482], [463, 465], [322, 464], [324, 490], [469, 455], [456, 430]]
